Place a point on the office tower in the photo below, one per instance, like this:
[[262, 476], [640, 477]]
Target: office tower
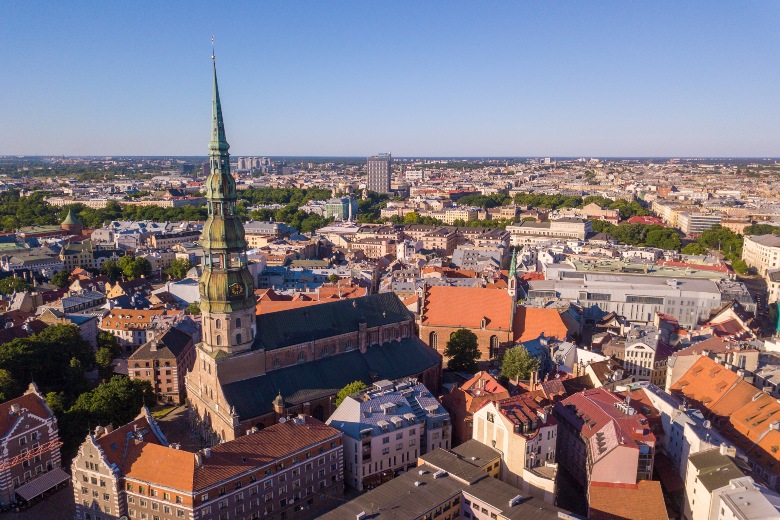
[[379, 170]]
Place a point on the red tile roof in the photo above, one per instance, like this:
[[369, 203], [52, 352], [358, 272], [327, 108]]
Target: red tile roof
[[530, 323], [258, 449], [29, 401], [645, 501], [465, 307]]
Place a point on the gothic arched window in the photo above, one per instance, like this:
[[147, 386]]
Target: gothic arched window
[[433, 341]]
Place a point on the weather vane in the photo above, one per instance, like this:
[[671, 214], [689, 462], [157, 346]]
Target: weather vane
[[213, 55]]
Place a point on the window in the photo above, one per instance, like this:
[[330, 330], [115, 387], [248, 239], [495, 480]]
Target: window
[[219, 339], [218, 324], [238, 322]]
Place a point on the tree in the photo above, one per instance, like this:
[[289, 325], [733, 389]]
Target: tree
[[115, 401], [518, 364], [134, 268], [105, 362], [112, 270], [11, 285], [179, 268], [351, 388], [60, 278], [694, 248], [463, 351], [740, 266], [334, 278], [193, 308]]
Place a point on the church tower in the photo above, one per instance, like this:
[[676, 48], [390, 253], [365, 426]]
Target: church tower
[[512, 280], [227, 298]]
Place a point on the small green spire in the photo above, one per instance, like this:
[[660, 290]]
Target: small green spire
[[513, 265], [71, 219]]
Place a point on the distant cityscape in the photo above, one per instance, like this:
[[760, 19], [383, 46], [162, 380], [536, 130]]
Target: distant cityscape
[[389, 338]]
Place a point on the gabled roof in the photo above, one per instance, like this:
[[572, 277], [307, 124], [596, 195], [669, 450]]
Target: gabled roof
[[31, 402], [170, 345], [530, 323], [326, 376], [645, 501], [260, 448], [466, 307], [283, 329], [707, 383]]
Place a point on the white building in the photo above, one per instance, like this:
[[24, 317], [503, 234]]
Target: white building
[[386, 428]]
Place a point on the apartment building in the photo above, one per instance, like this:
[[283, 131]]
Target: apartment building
[[133, 328], [167, 240], [525, 433], [374, 247], [29, 449], [386, 428], [716, 487], [762, 252], [442, 240], [528, 232], [694, 224], [602, 438], [446, 486], [464, 400], [164, 362], [291, 470]]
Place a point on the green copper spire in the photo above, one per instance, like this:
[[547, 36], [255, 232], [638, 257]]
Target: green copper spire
[[513, 265], [226, 284], [70, 219], [218, 139]]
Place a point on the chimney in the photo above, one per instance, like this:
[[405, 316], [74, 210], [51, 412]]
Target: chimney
[[726, 450]]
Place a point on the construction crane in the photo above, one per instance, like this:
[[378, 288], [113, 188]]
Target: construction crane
[[40, 450]]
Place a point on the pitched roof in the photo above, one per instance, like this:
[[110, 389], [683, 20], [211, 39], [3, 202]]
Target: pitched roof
[[260, 448], [326, 376], [466, 307], [160, 465], [282, 329], [530, 323], [622, 502], [30, 401], [170, 345], [707, 383]]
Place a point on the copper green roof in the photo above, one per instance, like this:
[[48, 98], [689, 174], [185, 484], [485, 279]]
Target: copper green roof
[[226, 284], [71, 218]]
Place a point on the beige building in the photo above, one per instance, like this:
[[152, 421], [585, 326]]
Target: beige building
[[525, 434], [762, 252]]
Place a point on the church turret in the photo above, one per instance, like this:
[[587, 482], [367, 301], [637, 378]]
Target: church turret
[[227, 297], [512, 278], [71, 224]]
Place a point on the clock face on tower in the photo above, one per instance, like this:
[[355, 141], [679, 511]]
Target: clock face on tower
[[236, 289]]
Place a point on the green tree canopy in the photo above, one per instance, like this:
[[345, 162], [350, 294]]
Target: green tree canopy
[[334, 278], [60, 278], [194, 308], [10, 285], [116, 401], [111, 269], [134, 268], [518, 363], [179, 268], [463, 351], [351, 388]]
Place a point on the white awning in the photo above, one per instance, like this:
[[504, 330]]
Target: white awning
[[42, 484]]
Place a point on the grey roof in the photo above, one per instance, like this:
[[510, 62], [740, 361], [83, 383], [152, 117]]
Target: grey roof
[[283, 328], [170, 345], [402, 498], [326, 376], [715, 469], [770, 240], [397, 408]]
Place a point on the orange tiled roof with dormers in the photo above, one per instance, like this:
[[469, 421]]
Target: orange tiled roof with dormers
[[131, 319]]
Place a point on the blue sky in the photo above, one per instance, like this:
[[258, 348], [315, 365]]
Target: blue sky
[[412, 78]]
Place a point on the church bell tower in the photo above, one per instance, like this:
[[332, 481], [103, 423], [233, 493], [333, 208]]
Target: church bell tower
[[227, 298]]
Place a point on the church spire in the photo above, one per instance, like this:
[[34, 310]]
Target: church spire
[[226, 287], [218, 139], [513, 265]]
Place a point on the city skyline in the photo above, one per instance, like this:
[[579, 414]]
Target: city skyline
[[355, 80]]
